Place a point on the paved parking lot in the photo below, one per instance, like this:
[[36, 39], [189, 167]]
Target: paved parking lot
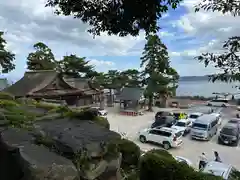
[[190, 149]]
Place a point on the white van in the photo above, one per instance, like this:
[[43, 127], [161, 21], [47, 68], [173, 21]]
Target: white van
[[218, 103], [205, 127]]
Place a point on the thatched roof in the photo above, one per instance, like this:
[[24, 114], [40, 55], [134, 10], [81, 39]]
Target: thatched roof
[[32, 81]]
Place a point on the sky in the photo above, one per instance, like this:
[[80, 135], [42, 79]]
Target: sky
[[185, 33]]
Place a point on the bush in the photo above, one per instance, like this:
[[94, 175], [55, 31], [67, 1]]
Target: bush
[[156, 166], [102, 122], [162, 153], [8, 104], [130, 153], [6, 96], [45, 106]]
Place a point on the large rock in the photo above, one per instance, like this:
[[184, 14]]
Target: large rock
[[21, 159], [73, 138]]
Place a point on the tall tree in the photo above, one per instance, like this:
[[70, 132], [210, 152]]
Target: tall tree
[[6, 57], [42, 58], [229, 61], [157, 71], [119, 17], [75, 66]]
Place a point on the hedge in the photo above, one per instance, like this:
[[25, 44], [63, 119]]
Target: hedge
[[160, 166], [130, 154], [6, 96]]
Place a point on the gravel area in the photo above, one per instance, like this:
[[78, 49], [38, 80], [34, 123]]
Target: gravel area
[[191, 149]]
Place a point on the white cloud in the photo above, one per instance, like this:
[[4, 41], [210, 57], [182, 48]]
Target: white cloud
[[98, 63], [27, 22]]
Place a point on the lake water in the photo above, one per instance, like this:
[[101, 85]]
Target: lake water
[[205, 88]]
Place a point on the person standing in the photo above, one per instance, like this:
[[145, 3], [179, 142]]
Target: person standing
[[203, 161], [217, 158]]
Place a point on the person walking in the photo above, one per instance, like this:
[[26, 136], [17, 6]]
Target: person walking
[[203, 161], [217, 158]]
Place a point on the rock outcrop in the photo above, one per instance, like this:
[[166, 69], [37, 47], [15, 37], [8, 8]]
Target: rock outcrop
[[59, 150]]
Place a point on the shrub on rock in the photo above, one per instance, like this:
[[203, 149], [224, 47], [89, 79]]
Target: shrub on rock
[[156, 166], [130, 153]]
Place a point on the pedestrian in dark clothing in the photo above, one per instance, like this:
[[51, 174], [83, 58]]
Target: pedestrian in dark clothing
[[203, 161], [237, 115], [217, 158]]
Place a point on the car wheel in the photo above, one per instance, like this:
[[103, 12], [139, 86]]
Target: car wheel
[[224, 105], [142, 139], [166, 145], [209, 104], [219, 141]]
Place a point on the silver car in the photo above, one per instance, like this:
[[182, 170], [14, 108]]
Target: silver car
[[226, 171]]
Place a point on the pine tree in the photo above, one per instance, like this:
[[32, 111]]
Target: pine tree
[[158, 74]]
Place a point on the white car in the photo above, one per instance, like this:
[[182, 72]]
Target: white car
[[168, 137], [183, 160], [226, 171], [101, 112], [219, 117], [183, 125], [193, 116], [218, 102]]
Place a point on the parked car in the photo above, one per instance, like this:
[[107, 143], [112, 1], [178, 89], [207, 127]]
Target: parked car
[[229, 134], [226, 171], [193, 116], [164, 121], [219, 117], [174, 104], [169, 138], [161, 114], [218, 102], [205, 127], [235, 121], [183, 125], [183, 160], [101, 112]]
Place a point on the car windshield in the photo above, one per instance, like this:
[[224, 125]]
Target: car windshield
[[220, 100], [178, 134], [199, 126], [229, 131], [193, 116], [181, 124]]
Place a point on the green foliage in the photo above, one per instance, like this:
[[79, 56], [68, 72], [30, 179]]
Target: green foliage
[[88, 114], [8, 104], [229, 61], [42, 58], [116, 17], [160, 78], [130, 153], [46, 106], [6, 96], [102, 122], [6, 57], [73, 65], [159, 165]]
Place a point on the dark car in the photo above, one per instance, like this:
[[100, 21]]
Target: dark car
[[164, 121], [234, 121], [229, 135], [161, 114]]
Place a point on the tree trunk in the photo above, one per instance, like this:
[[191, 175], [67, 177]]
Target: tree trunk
[[150, 103], [102, 101], [164, 102]]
